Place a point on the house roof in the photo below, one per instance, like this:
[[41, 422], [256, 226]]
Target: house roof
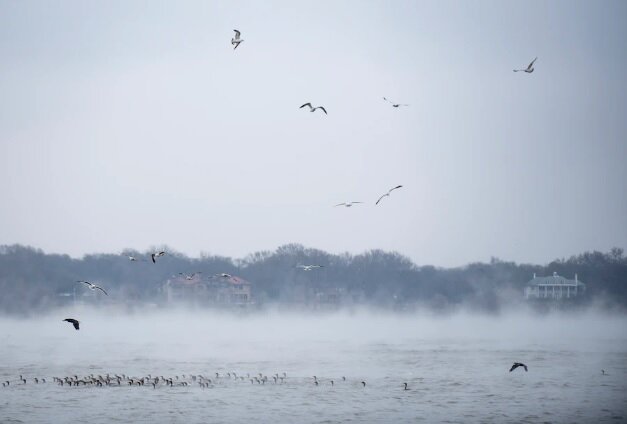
[[554, 280]]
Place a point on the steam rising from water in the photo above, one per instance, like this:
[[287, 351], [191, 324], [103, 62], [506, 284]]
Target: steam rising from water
[[227, 338], [456, 366]]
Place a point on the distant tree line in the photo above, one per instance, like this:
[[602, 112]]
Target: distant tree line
[[31, 280]]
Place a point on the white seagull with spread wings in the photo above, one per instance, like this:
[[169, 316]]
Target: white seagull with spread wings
[[388, 193], [309, 267], [347, 204], [93, 286], [313, 109], [529, 68], [189, 276], [395, 104], [236, 40], [155, 255]]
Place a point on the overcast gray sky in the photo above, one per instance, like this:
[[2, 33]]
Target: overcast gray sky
[[135, 124]]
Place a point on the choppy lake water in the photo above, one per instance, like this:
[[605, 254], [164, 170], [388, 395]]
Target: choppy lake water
[[457, 368]]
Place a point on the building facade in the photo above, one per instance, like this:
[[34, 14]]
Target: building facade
[[216, 291], [554, 287]]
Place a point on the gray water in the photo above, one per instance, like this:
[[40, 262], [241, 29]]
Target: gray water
[[456, 367]]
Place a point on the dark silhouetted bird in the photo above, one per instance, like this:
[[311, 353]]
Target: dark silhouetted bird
[[74, 322], [516, 365], [313, 109]]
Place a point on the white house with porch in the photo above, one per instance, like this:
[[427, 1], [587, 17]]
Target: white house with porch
[[554, 287]]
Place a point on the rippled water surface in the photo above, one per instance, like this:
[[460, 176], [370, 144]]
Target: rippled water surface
[[456, 368]]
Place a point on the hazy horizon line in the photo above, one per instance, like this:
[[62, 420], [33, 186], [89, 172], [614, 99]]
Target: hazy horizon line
[[203, 254]]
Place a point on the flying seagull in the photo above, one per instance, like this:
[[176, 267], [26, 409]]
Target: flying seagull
[[388, 193], [516, 365], [309, 267], [189, 276], [529, 68], [135, 259], [93, 286], [223, 275], [73, 321], [313, 109], [156, 255], [395, 104], [347, 204], [236, 40]]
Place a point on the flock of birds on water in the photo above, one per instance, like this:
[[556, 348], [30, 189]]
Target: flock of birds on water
[[200, 380]]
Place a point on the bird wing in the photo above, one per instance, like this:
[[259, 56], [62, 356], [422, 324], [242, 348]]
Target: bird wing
[[513, 367], [306, 104], [531, 64], [387, 100], [237, 34], [394, 188], [525, 367], [84, 282], [323, 109], [237, 43], [153, 258], [340, 204], [101, 289], [386, 194]]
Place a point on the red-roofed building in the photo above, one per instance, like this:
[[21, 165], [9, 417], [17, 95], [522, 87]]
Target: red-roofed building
[[215, 291]]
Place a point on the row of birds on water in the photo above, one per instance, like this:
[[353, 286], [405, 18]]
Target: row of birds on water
[[118, 380]]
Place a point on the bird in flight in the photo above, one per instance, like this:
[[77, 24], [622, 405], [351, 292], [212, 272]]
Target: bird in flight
[[93, 286], [236, 40], [189, 276], [516, 365], [74, 322], [529, 68], [135, 259], [395, 104], [313, 109], [309, 267], [156, 255], [223, 275], [347, 204], [388, 193]]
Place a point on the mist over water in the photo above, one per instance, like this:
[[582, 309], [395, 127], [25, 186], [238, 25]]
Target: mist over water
[[455, 365]]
